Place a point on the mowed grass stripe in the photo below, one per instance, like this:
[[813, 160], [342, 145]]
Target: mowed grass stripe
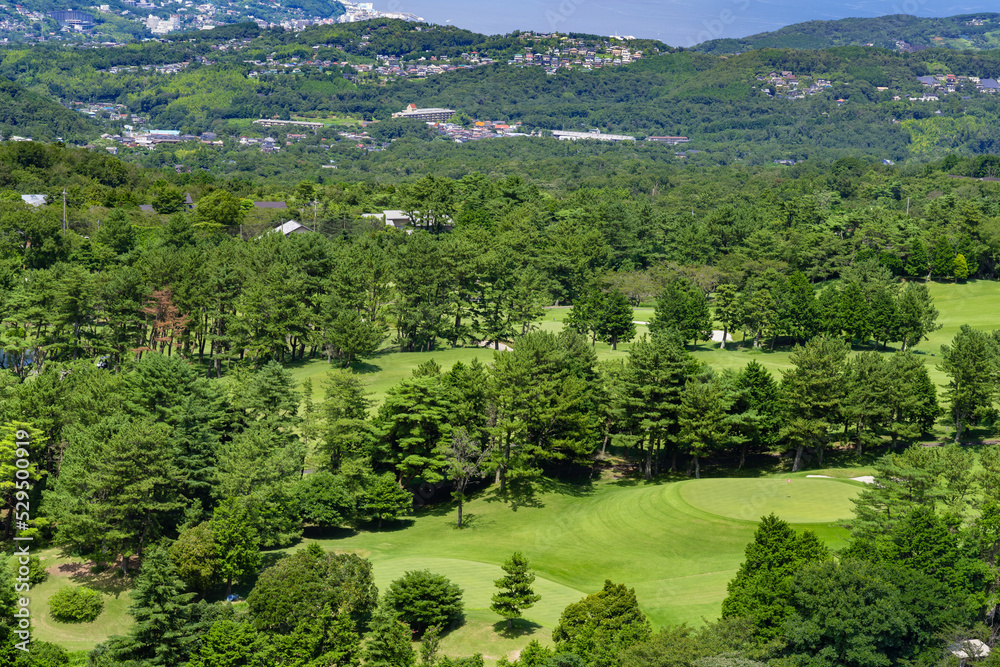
[[679, 556]]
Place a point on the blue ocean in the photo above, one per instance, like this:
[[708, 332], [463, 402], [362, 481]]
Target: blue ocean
[[676, 22]]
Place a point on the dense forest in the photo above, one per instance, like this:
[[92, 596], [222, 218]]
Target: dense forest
[[144, 365]]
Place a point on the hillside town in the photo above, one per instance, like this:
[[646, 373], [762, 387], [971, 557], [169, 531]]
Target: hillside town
[[24, 23]]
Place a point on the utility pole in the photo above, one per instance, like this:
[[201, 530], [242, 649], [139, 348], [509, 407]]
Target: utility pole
[[64, 209]]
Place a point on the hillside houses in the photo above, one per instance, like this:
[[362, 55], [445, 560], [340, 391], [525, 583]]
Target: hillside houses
[[950, 83]]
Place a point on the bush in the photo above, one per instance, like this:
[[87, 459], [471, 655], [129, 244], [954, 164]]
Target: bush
[[422, 599], [43, 654], [36, 573], [76, 605]]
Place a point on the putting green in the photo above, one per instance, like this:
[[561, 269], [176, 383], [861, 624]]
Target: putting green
[[801, 500]]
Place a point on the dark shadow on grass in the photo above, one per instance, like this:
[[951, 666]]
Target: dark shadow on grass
[[389, 526], [519, 627], [327, 533], [110, 581], [526, 492], [365, 368], [470, 521]]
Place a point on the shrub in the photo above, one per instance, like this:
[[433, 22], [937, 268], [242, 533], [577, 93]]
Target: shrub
[[422, 599], [76, 605], [43, 654], [36, 573]]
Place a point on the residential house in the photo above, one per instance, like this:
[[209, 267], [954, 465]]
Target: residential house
[[291, 227], [35, 200]]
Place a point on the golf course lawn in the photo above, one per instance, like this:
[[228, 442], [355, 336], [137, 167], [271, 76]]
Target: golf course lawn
[[678, 544]]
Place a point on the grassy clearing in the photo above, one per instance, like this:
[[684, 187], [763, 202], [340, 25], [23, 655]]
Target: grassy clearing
[[67, 571], [676, 543], [388, 368], [798, 500], [329, 120]]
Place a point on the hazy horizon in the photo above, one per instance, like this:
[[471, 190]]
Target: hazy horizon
[[675, 22]]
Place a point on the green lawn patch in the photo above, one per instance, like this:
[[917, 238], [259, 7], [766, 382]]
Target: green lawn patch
[[796, 500], [64, 571], [678, 554]]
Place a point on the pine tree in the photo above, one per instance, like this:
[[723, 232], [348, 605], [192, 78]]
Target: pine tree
[[760, 590], [727, 309], [943, 260], [759, 401], [918, 261], [388, 641], [798, 307], [682, 306], [234, 525], [972, 363], [916, 315], [162, 612], [382, 499], [856, 313], [811, 392], [600, 626], [615, 324], [516, 593]]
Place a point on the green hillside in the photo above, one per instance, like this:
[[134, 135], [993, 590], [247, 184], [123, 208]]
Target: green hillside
[[27, 114], [967, 31]]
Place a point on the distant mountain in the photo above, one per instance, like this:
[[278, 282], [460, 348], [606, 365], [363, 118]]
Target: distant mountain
[[899, 32], [27, 114]]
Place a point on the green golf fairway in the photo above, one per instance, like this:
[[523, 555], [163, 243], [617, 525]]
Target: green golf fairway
[[800, 500], [475, 579]]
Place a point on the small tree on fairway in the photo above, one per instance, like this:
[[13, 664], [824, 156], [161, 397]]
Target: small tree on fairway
[[516, 593], [423, 599], [234, 525]]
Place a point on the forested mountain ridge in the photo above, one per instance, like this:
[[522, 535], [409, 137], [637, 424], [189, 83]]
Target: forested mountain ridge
[[897, 31], [760, 106]]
